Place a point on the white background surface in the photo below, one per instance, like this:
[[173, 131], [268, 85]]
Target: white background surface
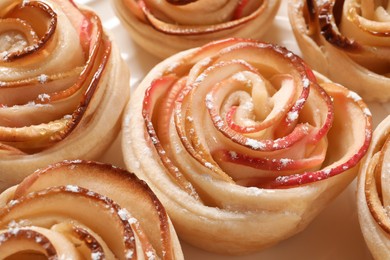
[[334, 234]]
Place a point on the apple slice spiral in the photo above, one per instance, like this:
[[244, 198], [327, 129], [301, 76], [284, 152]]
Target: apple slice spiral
[[85, 210], [63, 86], [348, 41], [374, 193], [242, 143], [179, 25]]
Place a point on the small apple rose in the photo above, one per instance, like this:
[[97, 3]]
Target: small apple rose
[[62, 86], [242, 136], [374, 193], [83, 209], [347, 41], [176, 25]]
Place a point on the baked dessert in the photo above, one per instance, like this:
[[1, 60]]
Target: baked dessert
[[63, 86], [85, 210], [242, 143], [166, 27], [348, 41], [373, 193]]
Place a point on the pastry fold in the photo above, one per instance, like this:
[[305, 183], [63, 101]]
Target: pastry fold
[[166, 27], [63, 86], [348, 41], [243, 143], [85, 210], [374, 193]]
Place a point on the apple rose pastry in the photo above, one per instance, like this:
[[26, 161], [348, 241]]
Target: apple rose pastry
[[348, 41], [242, 143], [63, 86], [374, 193], [166, 27], [85, 210]]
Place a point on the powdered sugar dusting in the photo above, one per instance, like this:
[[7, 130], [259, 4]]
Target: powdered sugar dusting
[[254, 144], [96, 255], [209, 101], [354, 96], [367, 112], [42, 78], [43, 97], [285, 161], [233, 154], [292, 116], [123, 214], [72, 188]]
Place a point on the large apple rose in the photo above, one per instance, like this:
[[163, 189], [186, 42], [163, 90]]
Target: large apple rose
[[85, 210], [168, 26], [348, 41], [243, 144], [63, 86], [374, 193]]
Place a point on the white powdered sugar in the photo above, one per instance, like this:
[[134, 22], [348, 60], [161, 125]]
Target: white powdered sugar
[[285, 161], [42, 78], [123, 214], [72, 188], [233, 154], [96, 255], [254, 144], [43, 97], [293, 115], [354, 96]]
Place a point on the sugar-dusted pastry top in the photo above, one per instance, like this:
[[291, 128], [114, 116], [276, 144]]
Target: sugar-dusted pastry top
[[166, 27], [374, 193], [243, 142], [63, 86], [85, 210], [348, 41]]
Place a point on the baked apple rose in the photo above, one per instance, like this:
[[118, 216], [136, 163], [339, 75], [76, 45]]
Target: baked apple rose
[[348, 41], [176, 25], [63, 86], [374, 193], [243, 144], [85, 210]]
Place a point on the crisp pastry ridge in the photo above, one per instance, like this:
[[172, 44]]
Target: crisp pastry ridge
[[166, 27], [63, 86], [373, 193], [348, 41], [85, 210], [242, 143]]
